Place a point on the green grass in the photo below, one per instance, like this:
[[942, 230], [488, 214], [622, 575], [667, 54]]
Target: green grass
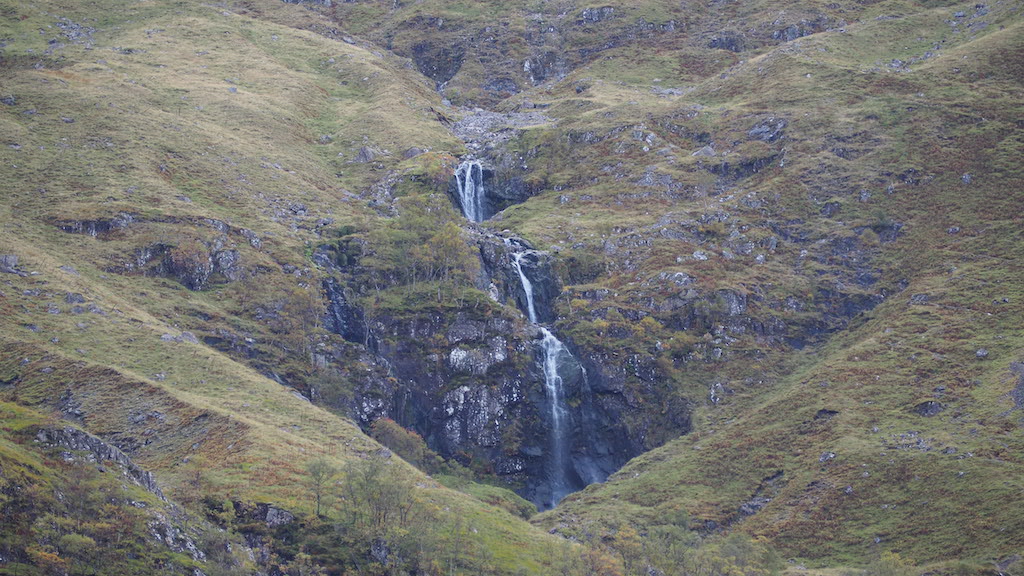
[[896, 356], [159, 133]]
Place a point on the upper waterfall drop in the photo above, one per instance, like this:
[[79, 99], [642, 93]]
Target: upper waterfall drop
[[469, 178], [531, 311]]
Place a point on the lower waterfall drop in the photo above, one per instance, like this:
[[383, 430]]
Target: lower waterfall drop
[[562, 478], [560, 467]]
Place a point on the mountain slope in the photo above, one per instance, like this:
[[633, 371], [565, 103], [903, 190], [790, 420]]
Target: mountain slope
[[148, 144], [780, 240], [905, 420]]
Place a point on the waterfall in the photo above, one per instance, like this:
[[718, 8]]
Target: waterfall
[[554, 351], [469, 177], [531, 312], [556, 359]]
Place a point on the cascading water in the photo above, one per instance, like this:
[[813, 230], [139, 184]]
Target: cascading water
[[531, 312], [469, 177], [554, 353], [562, 479]]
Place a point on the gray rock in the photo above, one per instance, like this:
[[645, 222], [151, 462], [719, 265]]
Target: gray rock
[[830, 209], [677, 278], [478, 360], [594, 15], [462, 331], [769, 130], [265, 513], [754, 505], [98, 227], [9, 263], [735, 303], [981, 353], [728, 41], [413, 152], [74, 439], [365, 155], [472, 414], [226, 262], [251, 236]]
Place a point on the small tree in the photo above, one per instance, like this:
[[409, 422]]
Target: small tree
[[889, 564], [379, 510], [406, 443], [424, 243], [630, 548], [300, 312], [321, 472], [330, 387]]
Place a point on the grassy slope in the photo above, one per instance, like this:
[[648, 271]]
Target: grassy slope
[[158, 132], [890, 486]]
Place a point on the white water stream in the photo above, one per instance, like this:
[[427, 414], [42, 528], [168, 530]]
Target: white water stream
[[469, 177], [556, 355]]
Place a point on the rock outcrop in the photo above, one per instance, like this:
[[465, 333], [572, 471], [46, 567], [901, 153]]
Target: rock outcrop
[[100, 452]]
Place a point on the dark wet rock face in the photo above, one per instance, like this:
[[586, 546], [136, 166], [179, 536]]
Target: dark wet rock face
[[929, 408], [1018, 391], [437, 61], [728, 41], [473, 384], [825, 414], [342, 317], [97, 227]]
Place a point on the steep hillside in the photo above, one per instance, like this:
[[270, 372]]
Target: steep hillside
[[165, 172], [756, 264], [860, 384]]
